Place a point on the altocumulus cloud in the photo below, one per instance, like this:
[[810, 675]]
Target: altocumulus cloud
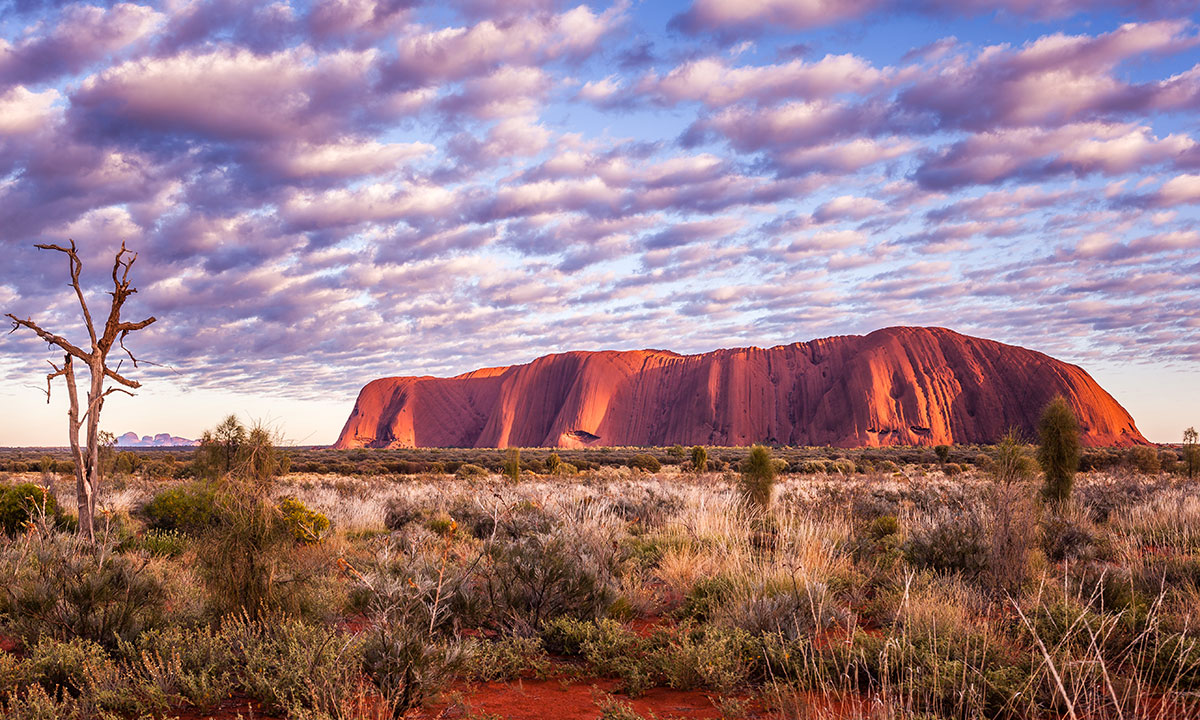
[[325, 192]]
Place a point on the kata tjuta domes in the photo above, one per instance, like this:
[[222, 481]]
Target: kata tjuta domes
[[896, 386]]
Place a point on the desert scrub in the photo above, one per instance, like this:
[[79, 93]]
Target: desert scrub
[[163, 543], [610, 648], [307, 526], [194, 666], [297, 668], [505, 659], [185, 508], [23, 503], [60, 586]]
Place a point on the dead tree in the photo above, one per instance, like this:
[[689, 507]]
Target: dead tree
[[87, 457]]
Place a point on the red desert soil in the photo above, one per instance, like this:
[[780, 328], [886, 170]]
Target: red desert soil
[[536, 699], [897, 386]]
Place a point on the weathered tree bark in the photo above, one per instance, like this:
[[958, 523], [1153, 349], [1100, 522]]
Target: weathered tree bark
[[88, 472]]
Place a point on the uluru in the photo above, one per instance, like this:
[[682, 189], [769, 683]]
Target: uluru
[[895, 386]]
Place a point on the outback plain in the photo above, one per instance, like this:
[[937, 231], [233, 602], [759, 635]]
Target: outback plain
[[243, 580]]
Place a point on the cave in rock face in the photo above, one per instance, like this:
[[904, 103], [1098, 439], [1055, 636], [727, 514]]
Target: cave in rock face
[[896, 386]]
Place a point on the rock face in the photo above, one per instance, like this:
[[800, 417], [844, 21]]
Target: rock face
[[131, 440], [896, 386]]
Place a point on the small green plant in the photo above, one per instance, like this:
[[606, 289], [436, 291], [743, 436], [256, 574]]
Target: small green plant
[[469, 471], [942, 452], [758, 477], [553, 461], [164, 543], [1058, 449], [699, 459]]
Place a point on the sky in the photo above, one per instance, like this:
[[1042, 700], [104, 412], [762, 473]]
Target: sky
[[323, 193]]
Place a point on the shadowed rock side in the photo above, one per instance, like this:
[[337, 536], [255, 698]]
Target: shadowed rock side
[[896, 386]]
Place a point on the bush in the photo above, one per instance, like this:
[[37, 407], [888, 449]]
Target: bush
[[699, 459], [467, 471], [642, 461], [295, 668], [538, 572], [62, 587], [1058, 449], [942, 452], [188, 508], [24, 503], [164, 543], [758, 477], [948, 543], [1144, 459], [842, 466], [306, 526]]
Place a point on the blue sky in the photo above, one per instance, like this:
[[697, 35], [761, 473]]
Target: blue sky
[[324, 193]]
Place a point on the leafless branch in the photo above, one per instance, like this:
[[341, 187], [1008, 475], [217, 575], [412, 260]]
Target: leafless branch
[[58, 372], [76, 268], [49, 337]]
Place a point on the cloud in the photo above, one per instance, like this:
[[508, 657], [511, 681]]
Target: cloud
[[24, 111], [450, 54], [740, 18], [84, 34], [1055, 79], [712, 82], [1033, 153], [232, 94]]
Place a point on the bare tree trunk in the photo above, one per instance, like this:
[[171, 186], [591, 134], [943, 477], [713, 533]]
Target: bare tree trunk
[[87, 467]]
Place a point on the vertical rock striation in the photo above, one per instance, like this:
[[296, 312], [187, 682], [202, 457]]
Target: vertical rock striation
[[896, 386]]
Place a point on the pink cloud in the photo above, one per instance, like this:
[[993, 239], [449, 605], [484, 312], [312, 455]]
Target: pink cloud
[[342, 159], [431, 56], [84, 35], [24, 111], [505, 92], [712, 82], [1081, 148], [379, 202], [231, 93], [1053, 80]]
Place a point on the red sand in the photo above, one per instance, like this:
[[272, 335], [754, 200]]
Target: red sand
[[897, 386], [535, 699]]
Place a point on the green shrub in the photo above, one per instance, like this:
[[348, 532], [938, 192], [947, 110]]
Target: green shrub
[[507, 658], [1058, 449], [842, 466], [512, 464], [295, 668], [1144, 459], [536, 574], [699, 459], [60, 586], [306, 526], [188, 508], [948, 543], [942, 452], [467, 471], [758, 477], [23, 503], [717, 658], [642, 461], [196, 665], [164, 543]]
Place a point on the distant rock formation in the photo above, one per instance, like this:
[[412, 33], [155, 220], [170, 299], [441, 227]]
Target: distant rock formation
[[896, 386], [131, 440]]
